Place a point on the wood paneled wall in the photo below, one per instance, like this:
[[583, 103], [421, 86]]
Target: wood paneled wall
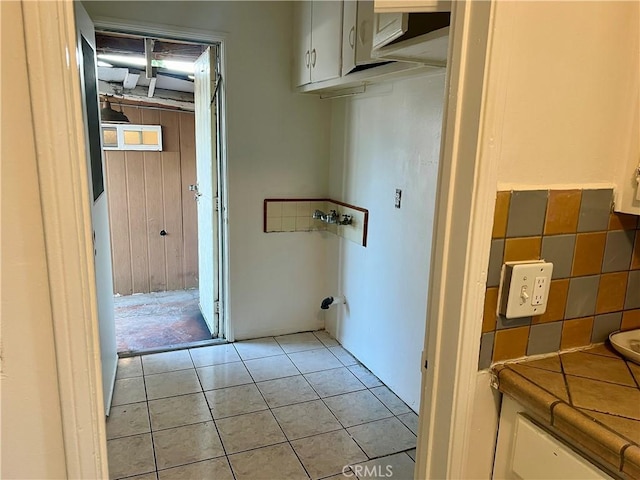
[[149, 192]]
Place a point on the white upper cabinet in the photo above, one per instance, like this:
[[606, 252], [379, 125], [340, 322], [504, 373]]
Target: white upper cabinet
[[357, 34], [389, 26], [412, 37], [386, 6], [318, 39], [302, 43]]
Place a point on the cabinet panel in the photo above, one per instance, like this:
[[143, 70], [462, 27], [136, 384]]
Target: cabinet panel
[[301, 43], [349, 19], [357, 35], [387, 27], [326, 40], [364, 29]]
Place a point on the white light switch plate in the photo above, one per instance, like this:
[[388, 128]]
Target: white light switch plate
[[524, 288]]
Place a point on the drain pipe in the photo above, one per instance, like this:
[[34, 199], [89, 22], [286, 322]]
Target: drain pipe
[[330, 301]]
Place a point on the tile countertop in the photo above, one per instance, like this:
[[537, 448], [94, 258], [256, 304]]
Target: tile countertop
[[590, 398]]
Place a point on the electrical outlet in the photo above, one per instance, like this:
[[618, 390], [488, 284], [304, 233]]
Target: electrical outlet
[[539, 291], [524, 288]]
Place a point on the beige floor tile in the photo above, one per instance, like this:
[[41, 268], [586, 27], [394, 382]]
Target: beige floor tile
[[126, 420], [299, 342], [326, 339], [214, 355], [224, 375], [357, 407], [327, 454], [252, 430], [268, 463], [410, 420], [171, 384], [315, 360], [258, 348], [286, 391], [306, 419], [348, 473], [129, 367], [365, 376], [178, 411], [146, 476], [398, 467], [383, 437], [269, 368], [390, 400], [334, 382], [226, 402], [345, 357], [188, 444], [130, 456], [166, 362], [216, 468], [604, 397], [128, 390]]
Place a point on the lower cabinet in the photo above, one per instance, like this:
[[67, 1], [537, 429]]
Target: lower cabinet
[[525, 451]]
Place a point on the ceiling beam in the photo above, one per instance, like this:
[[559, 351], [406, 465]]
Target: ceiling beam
[[170, 98], [163, 50], [148, 55]]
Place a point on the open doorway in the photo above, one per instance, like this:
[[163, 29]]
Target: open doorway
[[163, 175]]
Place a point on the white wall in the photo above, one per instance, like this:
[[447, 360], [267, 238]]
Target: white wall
[[32, 444], [278, 146], [568, 73], [383, 140]]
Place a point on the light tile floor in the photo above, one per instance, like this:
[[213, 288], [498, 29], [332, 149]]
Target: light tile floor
[[291, 407]]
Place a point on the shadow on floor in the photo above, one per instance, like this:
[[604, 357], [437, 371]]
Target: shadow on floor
[[158, 320]]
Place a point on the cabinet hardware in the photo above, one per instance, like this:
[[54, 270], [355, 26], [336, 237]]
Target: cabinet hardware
[[313, 57], [306, 59]]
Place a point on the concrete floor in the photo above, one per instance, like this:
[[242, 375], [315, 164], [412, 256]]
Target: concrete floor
[[158, 320]]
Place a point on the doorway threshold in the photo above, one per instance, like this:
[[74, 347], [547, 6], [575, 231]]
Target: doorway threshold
[[170, 348]]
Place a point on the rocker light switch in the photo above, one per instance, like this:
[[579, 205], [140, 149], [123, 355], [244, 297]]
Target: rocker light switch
[[524, 288]]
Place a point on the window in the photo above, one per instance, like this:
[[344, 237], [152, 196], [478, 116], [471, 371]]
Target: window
[[131, 137]]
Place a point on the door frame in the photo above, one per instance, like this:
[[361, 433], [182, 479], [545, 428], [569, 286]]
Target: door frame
[[465, 206], [204, 37], [453, 394]]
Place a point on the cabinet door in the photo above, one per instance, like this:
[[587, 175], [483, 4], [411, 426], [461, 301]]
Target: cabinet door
[[364, 29], [301, 43], [326, 40], [357, 34], [387, 27], [349, 19]]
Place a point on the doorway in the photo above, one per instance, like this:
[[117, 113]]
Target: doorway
[[164, 229]]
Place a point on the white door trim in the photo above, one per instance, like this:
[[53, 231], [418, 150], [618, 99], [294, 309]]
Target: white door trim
[[54, 82], [204, 37], [460, 255]]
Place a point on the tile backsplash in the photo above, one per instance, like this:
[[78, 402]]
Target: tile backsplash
[[595, 288], [296, 215]]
